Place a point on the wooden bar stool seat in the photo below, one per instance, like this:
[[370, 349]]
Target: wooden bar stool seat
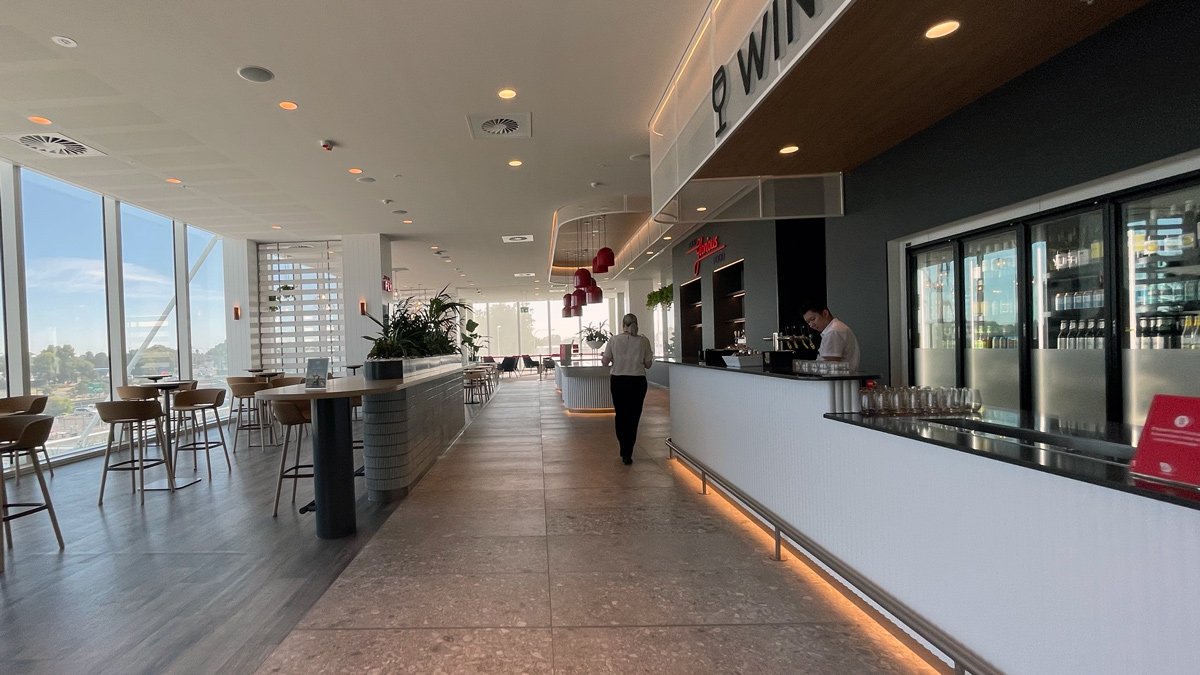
[[23, 435], [200, 402], [133, 417], [25, 405], [292, 415], [249, 412]]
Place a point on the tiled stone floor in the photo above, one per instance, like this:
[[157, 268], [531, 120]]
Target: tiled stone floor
[[530, 548]]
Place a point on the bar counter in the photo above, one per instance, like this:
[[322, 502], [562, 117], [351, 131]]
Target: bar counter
[[1032, 556]]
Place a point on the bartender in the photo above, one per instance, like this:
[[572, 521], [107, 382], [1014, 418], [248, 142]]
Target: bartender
[[837, 340]]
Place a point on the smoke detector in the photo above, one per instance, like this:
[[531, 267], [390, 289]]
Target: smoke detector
[[55, 145], [506, 125]]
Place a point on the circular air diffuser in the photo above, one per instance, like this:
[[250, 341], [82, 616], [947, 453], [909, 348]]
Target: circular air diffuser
[[500, 126]]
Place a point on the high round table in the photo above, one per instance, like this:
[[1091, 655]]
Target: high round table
[[332, 438]]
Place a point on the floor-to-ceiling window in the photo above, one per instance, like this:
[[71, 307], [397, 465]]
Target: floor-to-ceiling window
[[504, 328], [535, 328], [65, 303], [206, 297], [148, 273]]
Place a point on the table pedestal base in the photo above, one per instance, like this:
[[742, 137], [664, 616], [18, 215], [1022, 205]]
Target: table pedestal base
[[333, 467]]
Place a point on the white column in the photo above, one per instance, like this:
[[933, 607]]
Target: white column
[[240, 259], [15, 318], [366, 258], [183, 305], [116, 304]]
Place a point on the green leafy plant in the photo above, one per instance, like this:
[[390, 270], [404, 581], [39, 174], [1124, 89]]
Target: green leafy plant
[[592, 333], [663, 296], [470, 341], [413, 330]]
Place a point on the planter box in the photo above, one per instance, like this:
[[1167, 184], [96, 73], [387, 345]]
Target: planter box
[[398, 369]]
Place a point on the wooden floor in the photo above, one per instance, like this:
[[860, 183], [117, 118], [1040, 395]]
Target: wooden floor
[[202, 580]]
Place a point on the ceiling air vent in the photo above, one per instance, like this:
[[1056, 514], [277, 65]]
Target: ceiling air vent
[[516, 125], [55, 145]]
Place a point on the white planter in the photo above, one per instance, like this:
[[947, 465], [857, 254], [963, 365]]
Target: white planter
[[595, 344]]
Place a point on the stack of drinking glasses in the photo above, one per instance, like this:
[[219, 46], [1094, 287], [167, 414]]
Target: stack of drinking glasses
[[891, 401]]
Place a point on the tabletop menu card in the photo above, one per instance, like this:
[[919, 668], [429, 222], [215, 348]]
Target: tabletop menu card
[[316, 372], [1169, 449]]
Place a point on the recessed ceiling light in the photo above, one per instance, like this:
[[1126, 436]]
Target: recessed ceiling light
[[288, 105], [640, 157], [354, 170], [276, 227], [462, 275], [942, 29], [629, 268], [400, 212], [515, 162], [447, 260], [38, 120], [64, 41], [524, 274], [649, 252], [507, 93], [435, 247], [701, 209], [788, 149], [408, 221], [667, 238], [365, 179], [255, 74], [516, 238], [174, 181]]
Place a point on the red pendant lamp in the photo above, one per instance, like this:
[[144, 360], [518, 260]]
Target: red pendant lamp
[[606, 257], [566, 312], [597, 266], [576, 311], [583, 278], [594, 294], [579, 298], [567, 300]]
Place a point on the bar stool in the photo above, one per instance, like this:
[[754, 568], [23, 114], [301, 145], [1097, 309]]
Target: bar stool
[[25, 405], [23, 435], [249, 411], [133, 392], [202, 401], [290, 415], [134, 416]]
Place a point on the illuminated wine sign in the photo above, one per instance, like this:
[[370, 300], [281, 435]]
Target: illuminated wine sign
[[703, 248]]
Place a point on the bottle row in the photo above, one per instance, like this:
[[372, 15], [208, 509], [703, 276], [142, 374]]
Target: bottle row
[[1080, 335], [1093, 299], [1166, 296], [1167, 333]]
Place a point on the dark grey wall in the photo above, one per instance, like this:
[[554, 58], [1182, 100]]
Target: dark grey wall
[[753, 241], [1124, 97]]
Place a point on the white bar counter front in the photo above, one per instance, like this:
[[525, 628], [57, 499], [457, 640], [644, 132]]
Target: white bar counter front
[[992, 543], [585, 388]]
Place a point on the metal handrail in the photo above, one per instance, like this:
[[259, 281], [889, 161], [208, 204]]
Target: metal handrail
[[965, 660]]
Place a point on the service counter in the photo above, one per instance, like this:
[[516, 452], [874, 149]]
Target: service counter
[[1024, 551], [585, 388]]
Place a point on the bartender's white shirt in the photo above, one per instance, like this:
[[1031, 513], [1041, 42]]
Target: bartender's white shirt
[[837, 340]]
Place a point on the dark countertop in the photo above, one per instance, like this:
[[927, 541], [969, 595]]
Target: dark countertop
[[811, 377], [1097, 454]]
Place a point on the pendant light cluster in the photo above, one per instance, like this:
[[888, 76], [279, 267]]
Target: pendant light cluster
[[586, 288]]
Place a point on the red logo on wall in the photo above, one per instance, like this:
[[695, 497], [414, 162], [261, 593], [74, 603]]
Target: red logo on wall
[[703, 248], [387, 284]]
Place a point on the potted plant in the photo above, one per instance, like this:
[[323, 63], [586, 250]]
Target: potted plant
[[412, 332], [595, 336], [469, 341], [663, 296]]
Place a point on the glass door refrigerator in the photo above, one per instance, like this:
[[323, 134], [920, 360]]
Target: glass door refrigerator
[[1069, 316], [1160, 305], [990, 283], [934, 329]]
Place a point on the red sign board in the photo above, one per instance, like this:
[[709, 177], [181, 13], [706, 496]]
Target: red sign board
[[387, 284], [703, 248], [1169, 449]]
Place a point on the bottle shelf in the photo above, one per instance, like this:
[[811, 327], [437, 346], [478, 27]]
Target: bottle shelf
[[1090, 270], [1085, 313]]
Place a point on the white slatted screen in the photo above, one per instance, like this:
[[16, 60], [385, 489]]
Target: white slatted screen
[[300, 304]]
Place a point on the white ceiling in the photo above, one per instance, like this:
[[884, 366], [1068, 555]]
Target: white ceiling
[[154, 85]]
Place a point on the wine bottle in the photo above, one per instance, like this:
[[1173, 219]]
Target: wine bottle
[[1100, 334], [1089, 335], [1061, 341]]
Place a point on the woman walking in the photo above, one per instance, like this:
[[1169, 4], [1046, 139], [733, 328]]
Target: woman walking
[[630, 355]]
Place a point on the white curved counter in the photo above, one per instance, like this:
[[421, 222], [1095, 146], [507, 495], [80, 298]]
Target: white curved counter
[[586, 387]]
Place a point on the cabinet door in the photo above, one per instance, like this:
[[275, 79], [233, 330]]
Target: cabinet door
[[1160, 338], [933, 317], [990, 285], [1069, 316]]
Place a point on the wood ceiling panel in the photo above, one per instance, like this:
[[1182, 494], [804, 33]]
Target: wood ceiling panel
[[874, 80]]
